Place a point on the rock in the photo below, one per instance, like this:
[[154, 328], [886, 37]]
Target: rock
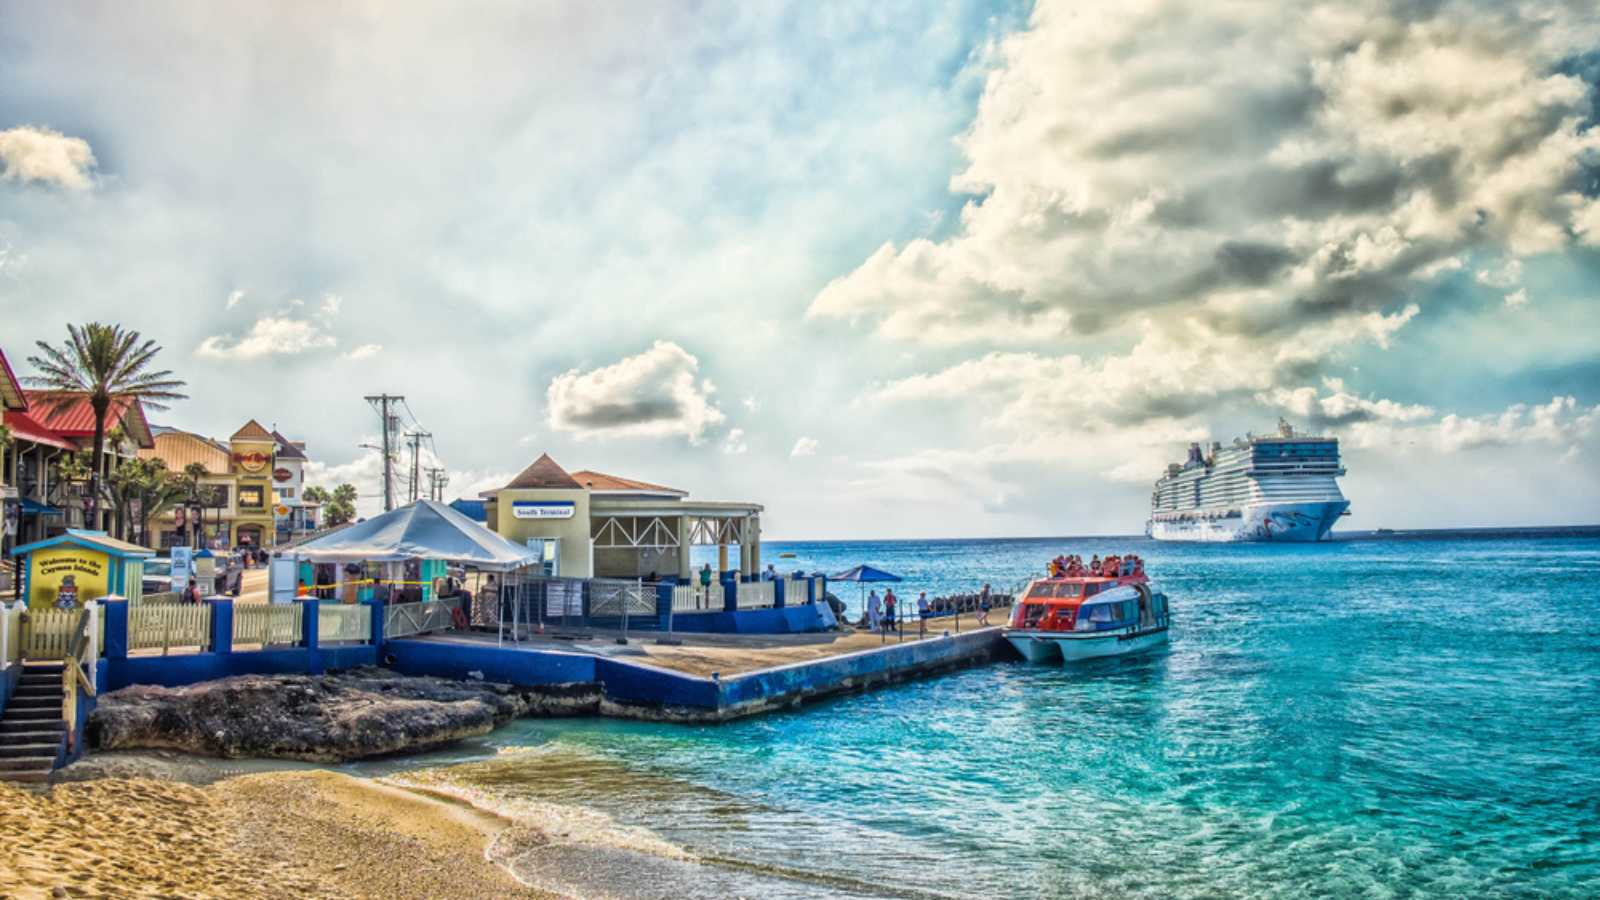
[[319, 718]]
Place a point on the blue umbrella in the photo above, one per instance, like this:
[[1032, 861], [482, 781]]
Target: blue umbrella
[[862, 575]]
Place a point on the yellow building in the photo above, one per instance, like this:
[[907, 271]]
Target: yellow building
[[592, 524], [236, 494]]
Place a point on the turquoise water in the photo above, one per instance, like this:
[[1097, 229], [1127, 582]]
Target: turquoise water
[[1365, 718]]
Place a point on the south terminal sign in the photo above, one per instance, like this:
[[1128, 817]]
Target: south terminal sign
[[543, 509]]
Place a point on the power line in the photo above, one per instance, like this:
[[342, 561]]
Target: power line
[[416, 452], [391, 424]]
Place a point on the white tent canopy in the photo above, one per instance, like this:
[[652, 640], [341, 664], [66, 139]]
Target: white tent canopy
[[422, 530]]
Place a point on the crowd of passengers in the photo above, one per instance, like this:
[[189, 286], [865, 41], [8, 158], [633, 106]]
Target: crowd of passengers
[[1072, 566], [885, 613]]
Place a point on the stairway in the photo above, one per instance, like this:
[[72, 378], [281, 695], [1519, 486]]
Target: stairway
[[32, 732]]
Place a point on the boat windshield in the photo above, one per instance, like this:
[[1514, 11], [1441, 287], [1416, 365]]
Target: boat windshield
[[1046, 591]]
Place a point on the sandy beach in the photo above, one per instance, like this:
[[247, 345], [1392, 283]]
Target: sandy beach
[[308, 833]]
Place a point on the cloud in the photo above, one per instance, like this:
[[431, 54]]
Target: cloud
[[1562, 424], [364, 351], [42, 156], [234, 298], [269, 336], [1241, 176], [1517, 298], [1508, 275], [735, 443], [805, 446], [1340, 407], [656, 393]]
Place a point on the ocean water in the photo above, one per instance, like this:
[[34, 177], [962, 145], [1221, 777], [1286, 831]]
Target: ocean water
[[1350, 719]]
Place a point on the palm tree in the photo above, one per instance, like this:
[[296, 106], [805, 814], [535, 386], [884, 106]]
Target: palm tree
[[108, 364]]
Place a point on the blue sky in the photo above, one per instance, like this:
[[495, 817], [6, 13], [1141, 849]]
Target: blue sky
[[893, 269]]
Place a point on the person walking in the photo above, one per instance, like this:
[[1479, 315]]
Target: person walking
[[985, 603], [874, 610]]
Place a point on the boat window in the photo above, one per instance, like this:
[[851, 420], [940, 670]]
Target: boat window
[[1042, 592], [1070, 590], [1031, 615]]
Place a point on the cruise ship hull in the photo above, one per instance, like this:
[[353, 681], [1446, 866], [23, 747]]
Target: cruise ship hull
[[1279, 522]]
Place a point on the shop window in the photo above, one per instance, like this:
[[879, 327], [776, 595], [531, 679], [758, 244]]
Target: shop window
[[252, 497]]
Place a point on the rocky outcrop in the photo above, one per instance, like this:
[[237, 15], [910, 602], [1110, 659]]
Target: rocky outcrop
[[320, 718]]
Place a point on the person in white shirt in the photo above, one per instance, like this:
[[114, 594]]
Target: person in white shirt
[[874, 611]]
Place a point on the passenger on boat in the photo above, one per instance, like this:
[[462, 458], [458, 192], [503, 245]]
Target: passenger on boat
[[1094, 565]]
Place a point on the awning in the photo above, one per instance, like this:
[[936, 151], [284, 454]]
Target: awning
[[422, 530], [35, 508], [864, 573]]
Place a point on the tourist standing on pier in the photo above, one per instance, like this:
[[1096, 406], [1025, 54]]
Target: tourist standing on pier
[[889, 602], [705, 584], [874, 610], [985, 603]]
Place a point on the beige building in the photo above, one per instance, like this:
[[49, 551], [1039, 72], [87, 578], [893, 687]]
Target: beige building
[[239, 504], [592, 524]]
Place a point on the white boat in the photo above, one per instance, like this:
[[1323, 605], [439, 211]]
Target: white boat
[[1071, 617]]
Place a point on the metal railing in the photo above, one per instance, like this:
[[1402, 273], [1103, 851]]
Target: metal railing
[[407, 619], [267, 624], [182, 626], [344, 622]]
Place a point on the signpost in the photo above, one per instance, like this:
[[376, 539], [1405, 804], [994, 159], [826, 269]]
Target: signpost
[[182, 567]]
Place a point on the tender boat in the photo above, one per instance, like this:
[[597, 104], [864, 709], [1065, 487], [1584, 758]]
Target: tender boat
[[1078, 613]]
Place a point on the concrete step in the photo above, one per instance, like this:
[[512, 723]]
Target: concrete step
[[9, 752], [35, 701], [45, 762], [33, 736], [32, 714], [8, 726], [25, 776], [29, 690]]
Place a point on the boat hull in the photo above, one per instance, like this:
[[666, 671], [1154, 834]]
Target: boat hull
[[1264, 522], [1067, 647]]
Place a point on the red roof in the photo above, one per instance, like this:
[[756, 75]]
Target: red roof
[[10, 389], [25, 428], [74, 415], [600, 481]]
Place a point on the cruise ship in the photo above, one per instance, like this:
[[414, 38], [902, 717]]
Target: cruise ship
[[1275, 488]]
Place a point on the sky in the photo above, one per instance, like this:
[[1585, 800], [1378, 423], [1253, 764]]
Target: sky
[[892, 269]]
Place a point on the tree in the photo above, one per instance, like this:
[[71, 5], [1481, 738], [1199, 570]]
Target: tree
[[108, 364], [148, 484], [316, 495], [341, 505], [190, 480]]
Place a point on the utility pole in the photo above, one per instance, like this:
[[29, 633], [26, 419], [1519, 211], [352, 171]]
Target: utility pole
[[437, 479], [416, 452], [382, 402]]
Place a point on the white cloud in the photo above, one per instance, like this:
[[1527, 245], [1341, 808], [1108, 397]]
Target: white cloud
[[735, 443], [656, 393], [751, 404], [805, 446], [1562, 423], [330, 306], [269, 336], [1517, 298], [234, 298], [1340, 407], [43, 156], [364, 351], [1507, 276]]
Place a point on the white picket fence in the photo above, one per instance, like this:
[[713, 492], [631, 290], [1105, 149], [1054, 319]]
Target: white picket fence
[[168, 627], [344, 622], [267, 624], [757, 595], [10, 635], [694, 598], [407, 619]]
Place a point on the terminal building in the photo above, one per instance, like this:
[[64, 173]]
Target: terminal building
[[589, 524]]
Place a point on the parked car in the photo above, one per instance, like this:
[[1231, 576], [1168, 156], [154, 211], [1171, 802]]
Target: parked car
[[157, 576]]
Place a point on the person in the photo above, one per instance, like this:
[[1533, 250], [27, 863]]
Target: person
[[1094, 565], [923, 610], [985, 603], [488, 598], [771, 574], [705, 583], [194, 593], [889, 601], [874, 611]]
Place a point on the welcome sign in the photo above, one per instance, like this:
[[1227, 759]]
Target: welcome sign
[[543, 509]]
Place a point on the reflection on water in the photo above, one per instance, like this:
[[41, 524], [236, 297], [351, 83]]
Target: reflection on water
[[1332, 719]]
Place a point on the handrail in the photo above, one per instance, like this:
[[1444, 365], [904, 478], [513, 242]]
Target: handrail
[[73, 677]]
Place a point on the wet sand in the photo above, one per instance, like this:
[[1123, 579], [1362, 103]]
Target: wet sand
[[275, 834]]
